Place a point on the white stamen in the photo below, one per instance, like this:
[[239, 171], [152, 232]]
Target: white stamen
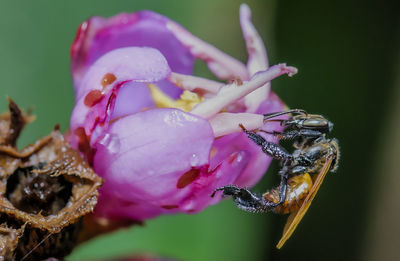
[[233, 92], [195, 84], [226, 123]]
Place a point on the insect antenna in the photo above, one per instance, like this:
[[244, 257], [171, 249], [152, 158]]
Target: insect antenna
[[268, 120], [275, 114]]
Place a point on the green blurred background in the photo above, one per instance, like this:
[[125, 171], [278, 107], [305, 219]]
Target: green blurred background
[[347, 53]]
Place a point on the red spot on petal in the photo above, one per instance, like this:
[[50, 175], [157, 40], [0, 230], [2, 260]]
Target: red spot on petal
[[126, 203], [187, 178], [96, 122], [83, 144], [170, 206], [92, 98], [108, 78]]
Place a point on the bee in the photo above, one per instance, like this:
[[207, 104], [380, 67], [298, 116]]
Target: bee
[[302, 126], [314, 156]]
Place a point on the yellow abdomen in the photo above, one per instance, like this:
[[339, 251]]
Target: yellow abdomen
[[297, 189]]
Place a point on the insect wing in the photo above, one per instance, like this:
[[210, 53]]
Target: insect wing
[[295, 218]]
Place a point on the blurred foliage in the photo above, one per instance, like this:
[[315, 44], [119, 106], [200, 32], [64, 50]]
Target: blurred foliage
[[382, 235], [218, 233], [345, 53]]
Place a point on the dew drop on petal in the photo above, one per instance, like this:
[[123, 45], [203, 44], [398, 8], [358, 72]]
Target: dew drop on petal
[[194, 160], [112, 142]]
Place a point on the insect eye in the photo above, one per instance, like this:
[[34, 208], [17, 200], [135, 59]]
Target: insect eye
[[330, 126]]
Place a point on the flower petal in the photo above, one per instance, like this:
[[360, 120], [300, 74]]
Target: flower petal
[[257, 60], [224, 173], [143, 156], [162, 161], [194, 197], [98, 35], [129, 67], [222, 65], [141, 64]]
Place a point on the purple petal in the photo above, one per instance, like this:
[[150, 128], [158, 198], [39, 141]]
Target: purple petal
[[163, 161], [98, 35], [150, 169], [129, 67], [220, 64], [141, 64], [224, 173], [193, 198], [143, 156], [258, 59]]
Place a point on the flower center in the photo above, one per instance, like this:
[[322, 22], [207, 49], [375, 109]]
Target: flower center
[[186, 101]]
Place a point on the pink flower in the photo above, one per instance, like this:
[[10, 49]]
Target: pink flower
[[163, 139]]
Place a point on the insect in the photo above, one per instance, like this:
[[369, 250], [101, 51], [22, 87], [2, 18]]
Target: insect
[[307, 127], [315, 155]]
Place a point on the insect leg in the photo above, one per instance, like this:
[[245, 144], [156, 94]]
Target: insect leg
[[294, 134], [245, 199], [276, 134], [282, 189], [282, 186], [269, 148]]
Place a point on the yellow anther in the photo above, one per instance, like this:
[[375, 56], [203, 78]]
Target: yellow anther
[[160, 99], [186, 101]]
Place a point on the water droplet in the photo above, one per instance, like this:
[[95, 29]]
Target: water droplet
[[194, 160], [112, 143]]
